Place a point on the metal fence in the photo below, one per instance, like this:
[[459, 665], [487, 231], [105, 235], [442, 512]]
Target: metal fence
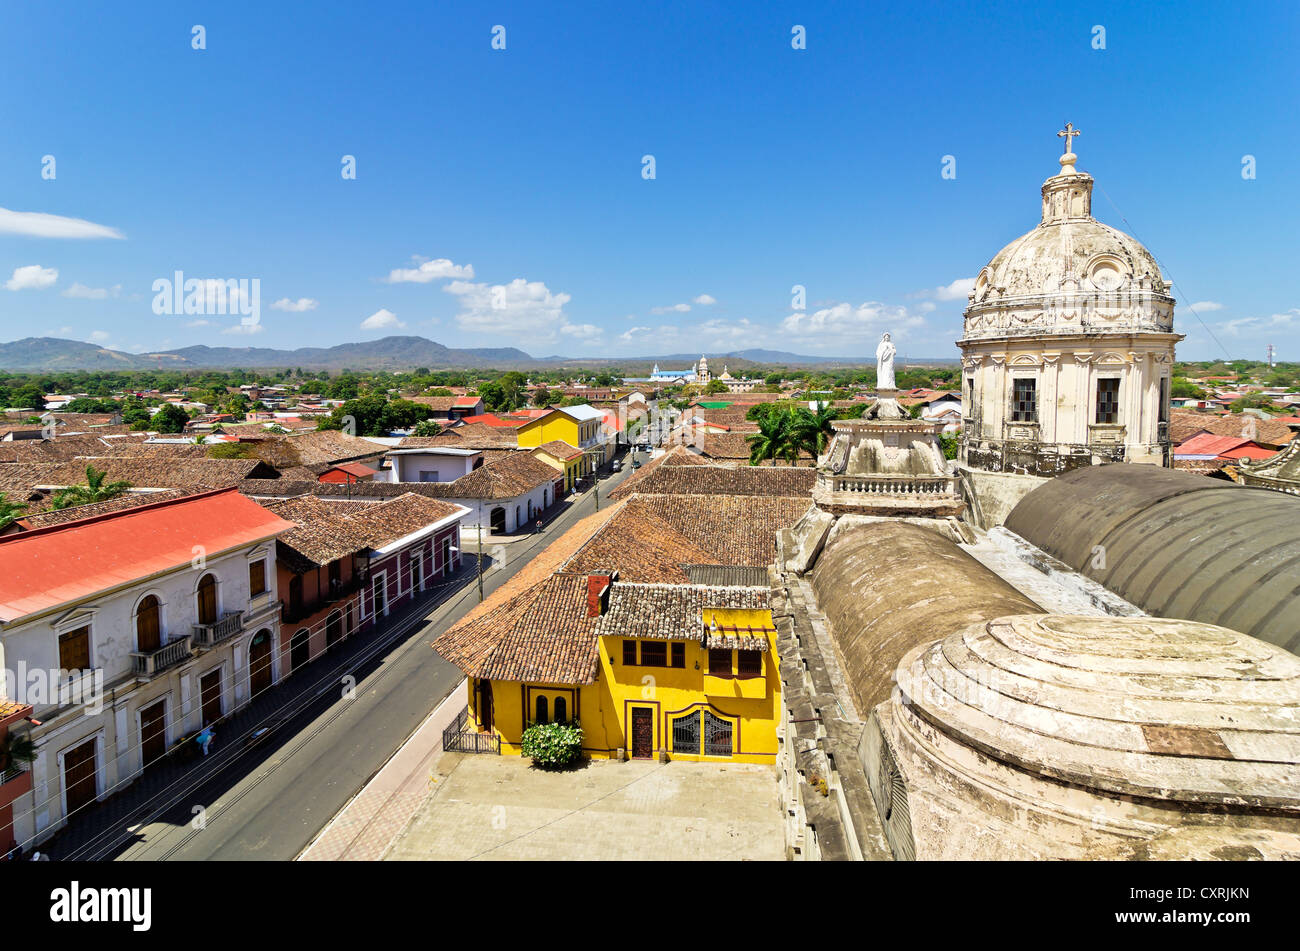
[[456, 738]]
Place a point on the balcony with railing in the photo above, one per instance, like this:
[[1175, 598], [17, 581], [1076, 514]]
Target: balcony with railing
[[152, 663], [207, 635], [291, 613], [895, 484]]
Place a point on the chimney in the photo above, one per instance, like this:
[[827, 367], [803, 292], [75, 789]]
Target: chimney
[[598, 593]]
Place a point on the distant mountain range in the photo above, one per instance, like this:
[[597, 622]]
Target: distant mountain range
[[386, 353]]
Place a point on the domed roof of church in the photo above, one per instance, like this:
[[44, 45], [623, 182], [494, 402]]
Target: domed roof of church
[[1160, 709], [1069, 251]]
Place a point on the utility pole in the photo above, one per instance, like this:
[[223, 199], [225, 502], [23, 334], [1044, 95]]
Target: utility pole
[[480, 556]]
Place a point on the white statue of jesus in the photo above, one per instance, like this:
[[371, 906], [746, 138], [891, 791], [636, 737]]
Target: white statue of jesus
[[885, 364]]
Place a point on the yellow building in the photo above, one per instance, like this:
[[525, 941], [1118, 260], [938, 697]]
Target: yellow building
[[648, 670], [563, 458], [578, 426]]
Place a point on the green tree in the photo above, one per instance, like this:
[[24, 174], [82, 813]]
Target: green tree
[[715, 386], [543, 397], [812, 430], [10, 512], [773, 439], [95, 490], [170, 418]]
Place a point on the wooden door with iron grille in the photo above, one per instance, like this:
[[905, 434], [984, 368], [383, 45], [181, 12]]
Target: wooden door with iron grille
[[643, 733]]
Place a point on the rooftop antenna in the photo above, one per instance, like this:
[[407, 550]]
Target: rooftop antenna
[[1270, 356]]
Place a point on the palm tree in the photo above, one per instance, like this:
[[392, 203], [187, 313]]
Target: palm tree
[[772, 440], [95, 490], [15, 750], [813, 429], [10, 511]]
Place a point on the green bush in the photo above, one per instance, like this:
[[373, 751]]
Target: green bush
[[949, 443], [552, 745]]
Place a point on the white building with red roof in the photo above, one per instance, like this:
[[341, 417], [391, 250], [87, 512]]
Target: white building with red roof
[[128, 632]]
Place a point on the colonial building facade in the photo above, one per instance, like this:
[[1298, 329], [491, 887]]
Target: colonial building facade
[[1068, 344], [127, 633]]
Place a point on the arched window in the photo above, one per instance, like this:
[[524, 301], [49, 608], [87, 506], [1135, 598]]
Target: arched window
[[208, 599], [561, 710], [541, 710], [148, 631]]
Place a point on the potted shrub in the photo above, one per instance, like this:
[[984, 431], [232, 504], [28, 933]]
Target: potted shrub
[[552, 745]]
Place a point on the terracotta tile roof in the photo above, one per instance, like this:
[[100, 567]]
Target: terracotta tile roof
[[314, 447], [732, 446], [674, 611], [77, 512], [468, 436], [163, 471], [505, 478], [561, 450], [328, 530], [1270, 432], [62, 564], [440, 404], [794, 481], [546, 563], [321, 534], [12, 708], [389, 521], [540, 635]]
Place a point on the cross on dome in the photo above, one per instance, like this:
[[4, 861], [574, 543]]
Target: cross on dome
[[1068, 158]]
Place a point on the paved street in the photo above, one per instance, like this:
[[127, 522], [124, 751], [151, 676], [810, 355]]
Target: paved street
[[269, 801]]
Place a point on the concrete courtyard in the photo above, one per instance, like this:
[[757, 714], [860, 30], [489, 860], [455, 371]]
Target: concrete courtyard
[[500, 807]]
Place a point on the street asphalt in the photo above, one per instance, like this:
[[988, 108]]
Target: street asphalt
[[279, 796]]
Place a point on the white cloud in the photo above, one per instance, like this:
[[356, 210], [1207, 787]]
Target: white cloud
[[32, 277], [199, 323], [1205, 306], [843, 323], [429, 271], [634, 333], [98, 336], [245, 329], [82, 292], [523, 309], [588, 333], [671, 309], [381, 319], [35, 224], [1261, 326], [704, 300], [296, 306], [958, 290]]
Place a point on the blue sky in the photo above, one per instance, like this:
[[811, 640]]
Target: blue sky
[[517, 173]]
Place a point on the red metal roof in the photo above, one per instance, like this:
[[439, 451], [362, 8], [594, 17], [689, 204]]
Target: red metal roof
[[48, 567], [1208, 444], [466, 401], [353, 469], [489, 420]]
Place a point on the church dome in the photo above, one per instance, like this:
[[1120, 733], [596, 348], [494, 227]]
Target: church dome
[[1070, 274], [1069, 254]]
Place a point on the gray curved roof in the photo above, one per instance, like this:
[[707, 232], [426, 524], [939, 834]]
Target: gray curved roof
[[1175, 544], [887, 586]]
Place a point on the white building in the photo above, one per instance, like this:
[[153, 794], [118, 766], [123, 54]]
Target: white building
[[1068, 344], [130, 632], [430, 464]]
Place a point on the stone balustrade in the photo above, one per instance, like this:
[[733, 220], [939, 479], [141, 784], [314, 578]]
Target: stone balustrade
[[151, 663]]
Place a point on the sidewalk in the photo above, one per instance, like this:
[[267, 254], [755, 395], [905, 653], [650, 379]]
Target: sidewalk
[[366, 826]]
